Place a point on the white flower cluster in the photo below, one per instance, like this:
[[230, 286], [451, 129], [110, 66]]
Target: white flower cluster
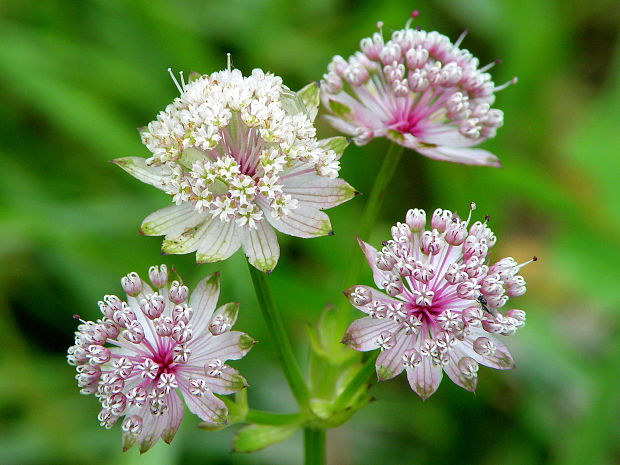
[[228, 142]]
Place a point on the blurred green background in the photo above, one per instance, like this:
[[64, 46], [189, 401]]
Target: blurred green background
[[77, 78]]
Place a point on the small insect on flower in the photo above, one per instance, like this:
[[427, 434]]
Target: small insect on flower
[[156, 348], [240, 159], [417, 89], [440, 307]]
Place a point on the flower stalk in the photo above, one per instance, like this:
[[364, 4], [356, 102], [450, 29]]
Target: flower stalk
[[314, 446], [280, 339]]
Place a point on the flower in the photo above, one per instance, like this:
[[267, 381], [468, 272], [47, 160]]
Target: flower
[[418, 90], [147, 350], [440, 305], [239, 157]]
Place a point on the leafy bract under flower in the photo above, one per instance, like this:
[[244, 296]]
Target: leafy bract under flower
[[156, 348], [239, 157], [417, 89], [439, 309]]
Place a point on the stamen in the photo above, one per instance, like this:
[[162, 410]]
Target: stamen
[[514, 80], [79, 318], [176, 83], [414, 15], [472, 207], [228, 62], [182, 80], [461, 37], [521, 265], [490, 65]]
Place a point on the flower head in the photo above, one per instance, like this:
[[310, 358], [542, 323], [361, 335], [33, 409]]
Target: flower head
[[239, 157], [156, 348], [417, 89], [440, 307]]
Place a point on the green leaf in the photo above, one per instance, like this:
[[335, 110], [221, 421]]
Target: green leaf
[[256, 437]]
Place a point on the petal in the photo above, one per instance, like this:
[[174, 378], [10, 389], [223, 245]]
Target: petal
[[153, 426], [375, 295], [203, 301], [309, 95], [318, 192], [304, 221], [390, 362], [363, 333], [208, 407], [186, 241], [261, 246], [340, 125], [425, 378], [467, 156], [221, 239], [229, 382], [455, 374], [370, 253], [232, 345], [337, 144], [500, 360], [137, 167], [171, 220], [174, 417], [227, 314]]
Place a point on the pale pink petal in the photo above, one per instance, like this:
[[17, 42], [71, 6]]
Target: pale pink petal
[[208, 407], [425, 378], [467, 156], [229, 382], [456, 374], [501, 359], [304, 221], [203, 301], [390, 362], [174, 417], [221, 239], [363, 333], [154, 426], [228, 346], [375, 296], [370, 253], [187, 241], [261, 246]]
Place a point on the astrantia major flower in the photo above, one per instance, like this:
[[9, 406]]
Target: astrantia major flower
[[239, 156], [156, 348], [417, 89], [440, 307]]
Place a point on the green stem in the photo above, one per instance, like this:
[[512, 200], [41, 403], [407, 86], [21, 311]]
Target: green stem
[[259, 417], [368, 219], [314, 446], [280, 338], [366, 371]]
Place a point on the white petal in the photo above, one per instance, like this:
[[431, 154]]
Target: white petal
[[363, 333], [318, 192], [137, 167], [171, 220], [229, 382], [186, 241], [455, 374], [174, 416], [304, 221], [221, 239], [203, 301], [500, 360], [261, 246]]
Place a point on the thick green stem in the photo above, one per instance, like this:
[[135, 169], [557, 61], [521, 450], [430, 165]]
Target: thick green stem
[[279, 338], [259, 417], [314, 446], [362, 376]]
